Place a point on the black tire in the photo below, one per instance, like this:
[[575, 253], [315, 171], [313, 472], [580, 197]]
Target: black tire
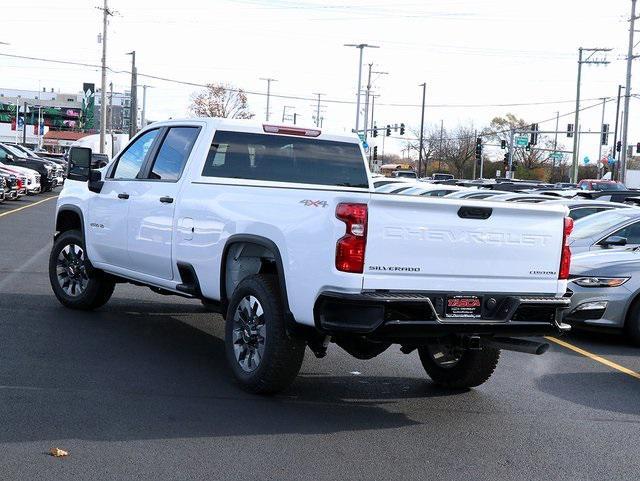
[[281, 356], [98, 286], [472, 367], [632, 323]]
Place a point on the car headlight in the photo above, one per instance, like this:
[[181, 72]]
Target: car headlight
[[600, 281]]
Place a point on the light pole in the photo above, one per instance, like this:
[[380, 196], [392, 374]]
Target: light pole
[[361, 47], [103, 90], [133, 110]]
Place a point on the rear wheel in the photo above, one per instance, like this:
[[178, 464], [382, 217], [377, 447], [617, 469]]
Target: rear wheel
[[450, 365], [74, 281], [262, 356]]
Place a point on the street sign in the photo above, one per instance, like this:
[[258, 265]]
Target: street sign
[[556, 155], [522, 141], [361, 136], [586, 160], [365, 145]]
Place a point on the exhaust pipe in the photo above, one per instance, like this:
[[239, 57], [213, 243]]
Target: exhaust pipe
[[518, 345]]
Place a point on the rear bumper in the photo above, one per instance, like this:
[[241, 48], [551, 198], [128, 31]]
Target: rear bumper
[[399, 316]]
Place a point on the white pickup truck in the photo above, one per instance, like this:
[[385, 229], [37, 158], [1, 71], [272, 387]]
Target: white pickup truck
[[279, 230]]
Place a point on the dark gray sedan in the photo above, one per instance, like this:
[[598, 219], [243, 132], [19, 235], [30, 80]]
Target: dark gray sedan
[[605, 287]]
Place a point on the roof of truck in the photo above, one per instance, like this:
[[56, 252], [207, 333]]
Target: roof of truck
[[256, 126]]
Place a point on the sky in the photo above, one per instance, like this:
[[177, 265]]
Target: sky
[[475, 56]]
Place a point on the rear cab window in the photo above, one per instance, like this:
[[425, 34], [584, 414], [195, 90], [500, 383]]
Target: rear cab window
[[280, 158]]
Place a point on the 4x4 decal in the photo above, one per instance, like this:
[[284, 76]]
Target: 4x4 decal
[[314, 203]]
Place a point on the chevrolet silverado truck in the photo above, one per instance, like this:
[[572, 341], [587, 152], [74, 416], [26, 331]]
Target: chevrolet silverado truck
[[279, 230]]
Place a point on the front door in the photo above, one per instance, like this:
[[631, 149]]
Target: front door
[[152, 204], [106, 222]]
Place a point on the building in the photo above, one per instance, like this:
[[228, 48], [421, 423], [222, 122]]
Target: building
[[119, 112], [46, 109]]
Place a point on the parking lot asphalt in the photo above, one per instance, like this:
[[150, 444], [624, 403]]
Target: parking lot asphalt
[[140, 389]]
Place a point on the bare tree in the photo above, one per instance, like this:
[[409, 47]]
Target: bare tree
[[431, 146], [459, 151], [220, 100], [534, 158]]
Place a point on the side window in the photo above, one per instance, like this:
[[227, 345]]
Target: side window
[[3, 155], [581, 212], [173, 153], [631, 233], [131, 161]]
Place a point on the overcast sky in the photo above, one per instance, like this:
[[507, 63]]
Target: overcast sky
[[467, 51]]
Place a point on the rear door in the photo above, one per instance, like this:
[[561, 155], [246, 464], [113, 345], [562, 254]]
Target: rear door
[[152, 203], [458, 245]]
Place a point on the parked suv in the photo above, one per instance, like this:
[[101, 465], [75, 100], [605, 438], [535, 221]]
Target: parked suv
[[13, 157], [278, 229]]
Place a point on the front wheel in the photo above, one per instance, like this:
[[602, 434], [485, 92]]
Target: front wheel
[[74, 281], [262, 356], [450, 365]]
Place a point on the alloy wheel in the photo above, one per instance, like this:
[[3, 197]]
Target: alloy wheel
[[71, 270], [249, 333]]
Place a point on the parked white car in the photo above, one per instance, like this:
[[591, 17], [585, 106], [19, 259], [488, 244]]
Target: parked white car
[[278, 228]]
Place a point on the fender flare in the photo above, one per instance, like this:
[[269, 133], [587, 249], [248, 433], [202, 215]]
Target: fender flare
[[71, 208], [266, 243]]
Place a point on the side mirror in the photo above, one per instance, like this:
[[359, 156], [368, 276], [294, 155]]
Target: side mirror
[[95, 181], [614, 241], [79, 164], [10, 157]]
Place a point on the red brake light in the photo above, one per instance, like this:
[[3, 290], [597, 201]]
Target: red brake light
[[565, 258], [350, 248], [281, 129]]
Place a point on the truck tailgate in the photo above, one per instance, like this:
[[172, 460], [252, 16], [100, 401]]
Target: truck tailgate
[[456, 245]]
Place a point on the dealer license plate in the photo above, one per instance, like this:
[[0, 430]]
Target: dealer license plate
[[469, 307]]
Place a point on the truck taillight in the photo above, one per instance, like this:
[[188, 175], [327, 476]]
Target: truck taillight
[[351, 246], [565, 258]]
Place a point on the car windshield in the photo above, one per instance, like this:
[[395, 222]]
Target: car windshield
[[599, 223], [15, 152], [608, 186]]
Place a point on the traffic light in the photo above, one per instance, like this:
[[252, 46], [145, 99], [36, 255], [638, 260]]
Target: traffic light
[[534, 134], [528, 147], [618, 145], [401, 129], [375, 152], [638, 148], [375, 130], [388, 130], [569, 130], [604, 138], [479, 148], [503, 144]]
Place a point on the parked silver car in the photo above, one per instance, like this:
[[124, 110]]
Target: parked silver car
[[605, 287], [611, 229]]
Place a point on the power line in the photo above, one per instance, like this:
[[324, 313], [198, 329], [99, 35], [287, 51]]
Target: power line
[[294, 97]]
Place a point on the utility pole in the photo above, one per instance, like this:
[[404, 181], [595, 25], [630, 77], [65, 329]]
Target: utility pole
[[555, 143], [615, 132], [622, 173], [144, 104], [318, 110], [441, 143], [604, 102], [103, 90], [268, 80], [361, 47], [133, 111], [424, 94], [366, 102], [588, 60], [24, 125]]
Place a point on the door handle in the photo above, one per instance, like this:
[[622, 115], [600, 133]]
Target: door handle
[[123, 196], [166, 200]]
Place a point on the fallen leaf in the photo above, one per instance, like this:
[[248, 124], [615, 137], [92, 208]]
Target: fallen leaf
[[58, 453]]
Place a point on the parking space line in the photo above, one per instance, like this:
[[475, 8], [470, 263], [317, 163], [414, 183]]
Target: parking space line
[[27, 206], [595, 357]]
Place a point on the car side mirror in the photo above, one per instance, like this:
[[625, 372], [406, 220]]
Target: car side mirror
[[614, 240], [79, 167], [95, 181], [10, 157]]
